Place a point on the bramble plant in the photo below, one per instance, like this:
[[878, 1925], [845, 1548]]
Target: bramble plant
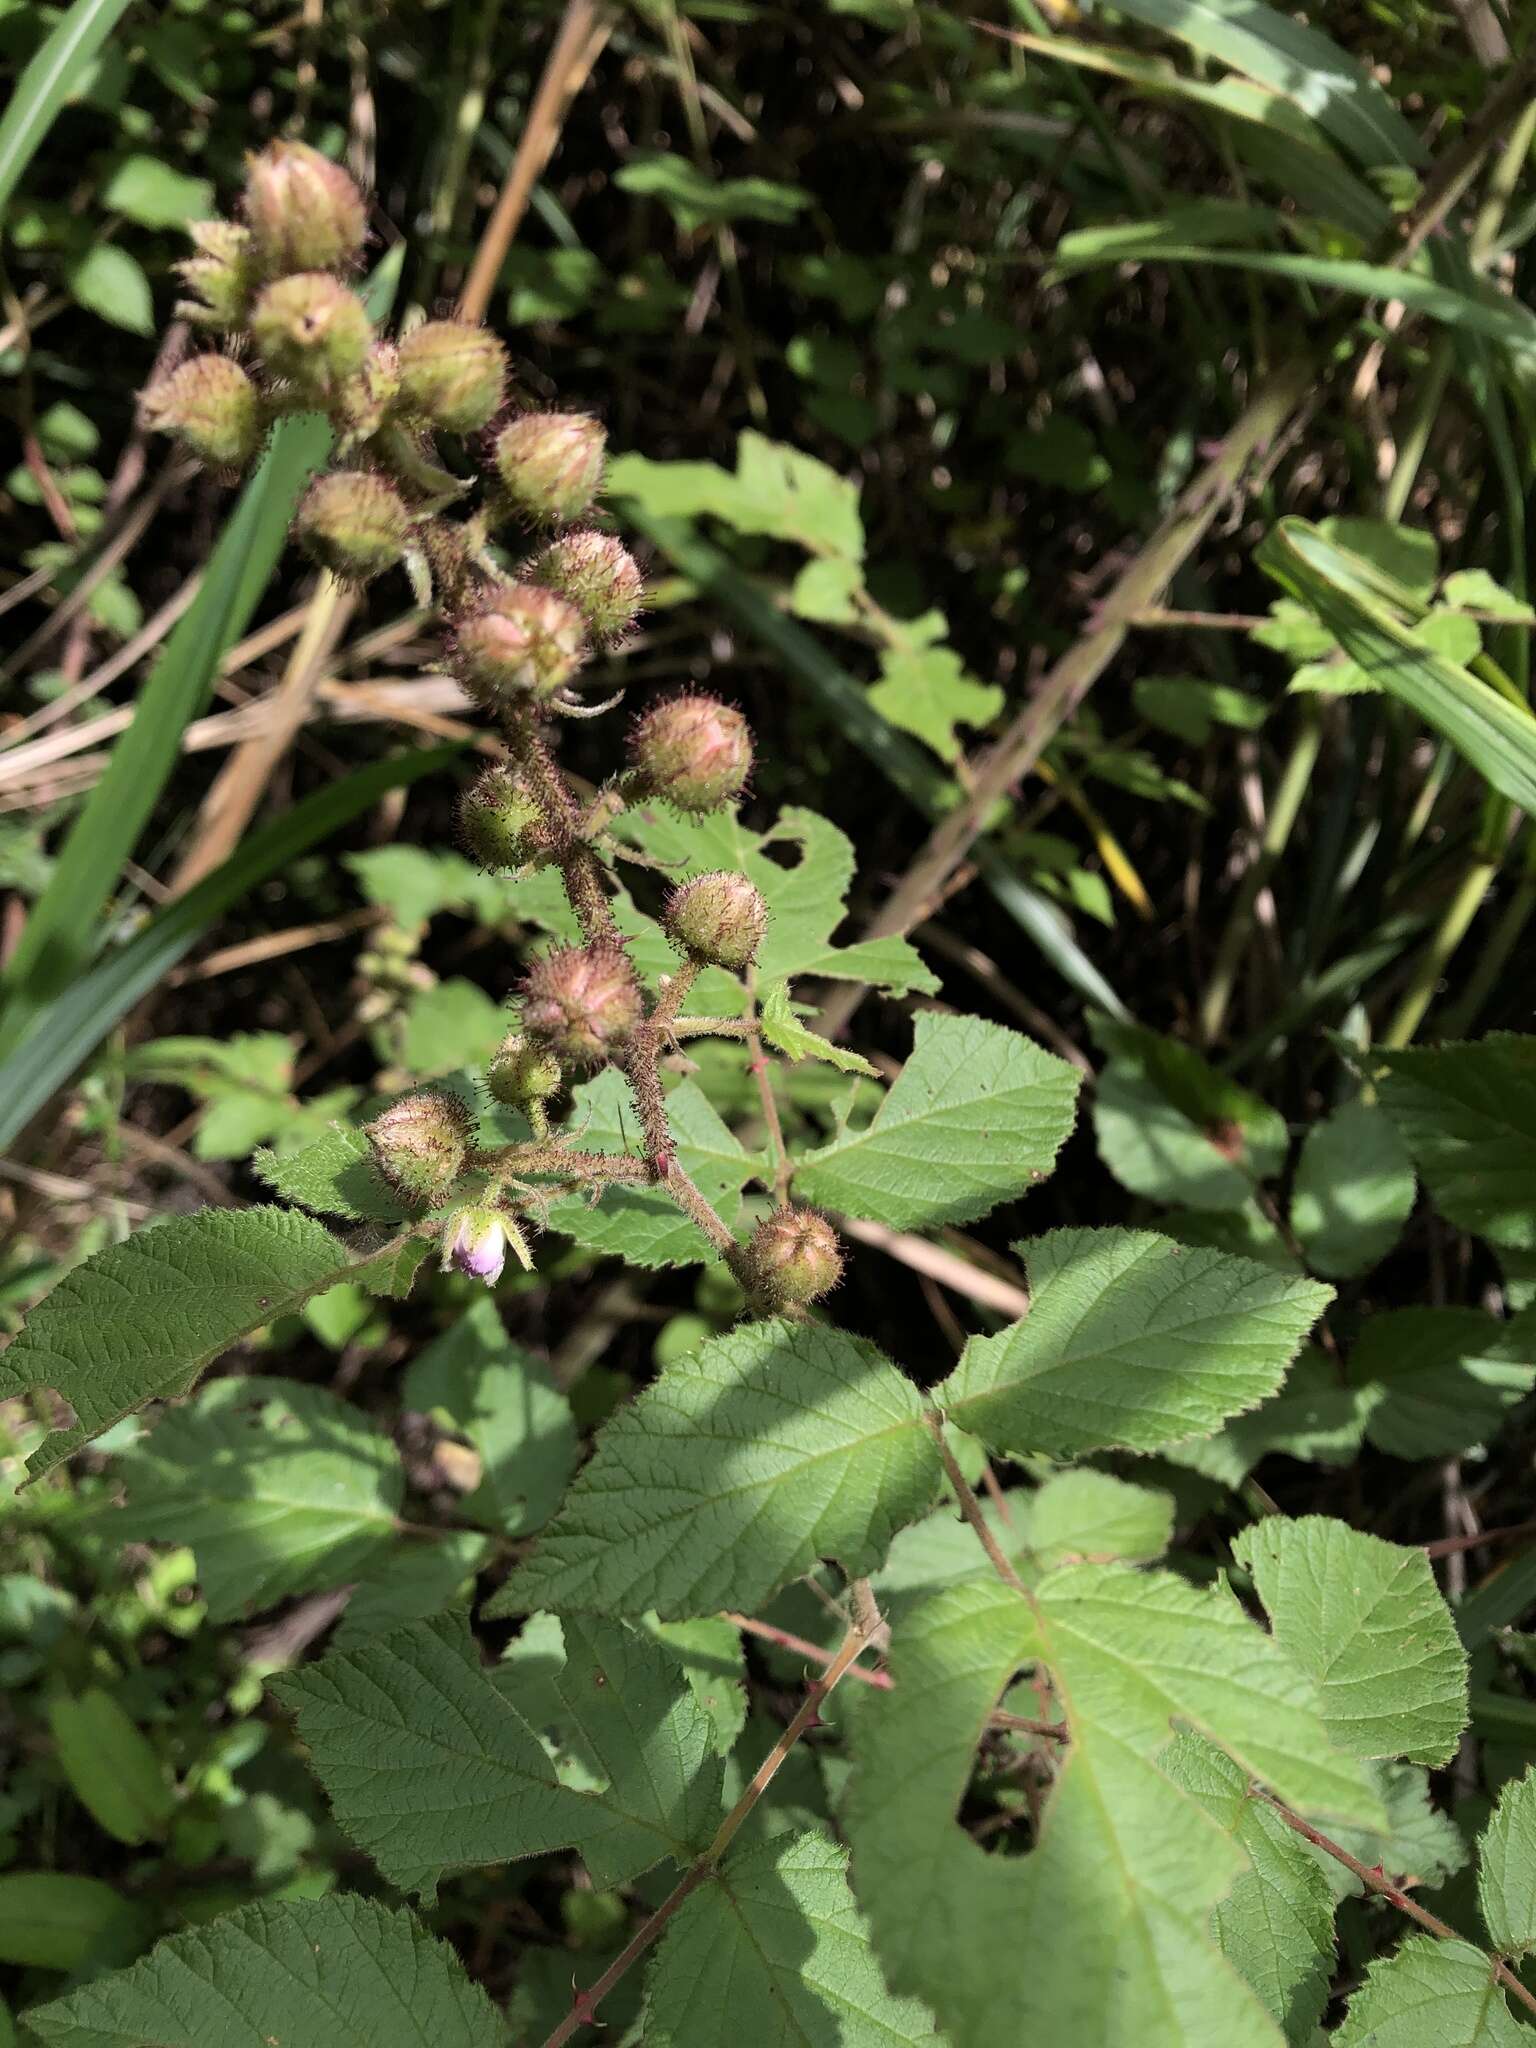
[[1050, 1779]]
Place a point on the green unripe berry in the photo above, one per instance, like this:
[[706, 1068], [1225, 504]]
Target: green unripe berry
[[211, 406], [421, 1143], [522, 1073], [524, 647], [500, 824], [452, 376], [792, 1259], [581, 1003], [303, 211], [599, 576], [353, 523], [312, 332], [693, 752], [717, 919], [549, 466]]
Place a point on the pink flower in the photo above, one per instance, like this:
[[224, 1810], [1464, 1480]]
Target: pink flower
[[475, 1243]]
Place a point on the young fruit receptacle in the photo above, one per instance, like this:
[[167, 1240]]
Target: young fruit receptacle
[[717, 919], [353, 523], [550, 466], [312, 332], [211, 406], [599, 576], [421, 1142], [303, 211], [523, 647], [693, 752], [452, 376], [792, 1259], [500, 824], [581, 1003]]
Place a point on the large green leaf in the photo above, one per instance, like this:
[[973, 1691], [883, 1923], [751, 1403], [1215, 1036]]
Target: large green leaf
[[1127, 1864], [58, 67], [1367, 1620], [749, 1459], [431, 1769], [139, 1321], [1440, 1380], [1431, 1994], [1131, 1340], [279, 1488], [1354, 1190], [1506, 1873], [343, 1971], [1467, 1114], [1495, 736], [976, 1117], [775, 1938]]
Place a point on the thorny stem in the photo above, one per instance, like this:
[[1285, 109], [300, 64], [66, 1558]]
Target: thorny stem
[[1376, 1880], [712, 1027], [584, 2007]]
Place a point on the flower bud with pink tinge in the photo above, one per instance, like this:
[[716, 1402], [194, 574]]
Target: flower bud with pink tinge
[[420, 1143], [525, 645], [581, 1002], [476, 1241], [500, 824], [312, 332], [452, 375], [303, 211], [717, 919], [353, 523], [693, 752], [599, 576], [792, 1259], [211, 406], [549, 466]]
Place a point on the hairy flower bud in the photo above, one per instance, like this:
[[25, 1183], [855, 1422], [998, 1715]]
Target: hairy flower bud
[[221, 275], [361, 401], [717, 919], [500, 824], [353, 523], [599, 576], [693, 752], [211, 406], [421, 1142], [581, 1002], [312, 332], [524, 646], [521, 1073], [452, 375], [303, 211], [476, 1242], [792, 1259], [550, 466]]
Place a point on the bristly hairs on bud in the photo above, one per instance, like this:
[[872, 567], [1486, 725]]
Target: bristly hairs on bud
[[691, 752], [524, 1075], [421, 1143], [717, 920], [221, 276], [303, 212], [548, 466], [311, 332], [519, 649], [452, 376], [354, 523], [582, 1002], [212, 408], [501, 823], [598, 575], [792, 1259]]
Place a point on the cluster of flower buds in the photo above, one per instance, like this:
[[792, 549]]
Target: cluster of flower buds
[[274, 290]]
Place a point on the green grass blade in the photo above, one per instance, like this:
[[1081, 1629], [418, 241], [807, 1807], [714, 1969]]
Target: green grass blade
[[48, 81], [1300, 63], [60, 934], [68, 1030]]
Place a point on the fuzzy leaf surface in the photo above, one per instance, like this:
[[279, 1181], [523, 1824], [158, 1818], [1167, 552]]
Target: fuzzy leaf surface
[[1506, 1869], [1131, 1340], [1431, 1994]]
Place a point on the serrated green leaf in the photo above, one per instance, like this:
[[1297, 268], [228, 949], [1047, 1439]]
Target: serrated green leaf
[[1367, 1620], [111, 1766], [1467, 1114], [1088, 1514], [775, 1938], [926, 691], [1131, 1340], [977, 1116], [639, 1224], [431, 1769], [503, 1400], [1276, 1923], [412, 1582], [710, 1656], [54, 1920], [155, 194], [1506, 1869], [1315, 1416], [343, 1970], [1126, 1863], [783, 1030], [110, 283], [772, 1446], [1440, 1380], [139, 1321], [1188, 708], [1171, 1126], [1354, 1190], [279, 1489], [1430, 1994]]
